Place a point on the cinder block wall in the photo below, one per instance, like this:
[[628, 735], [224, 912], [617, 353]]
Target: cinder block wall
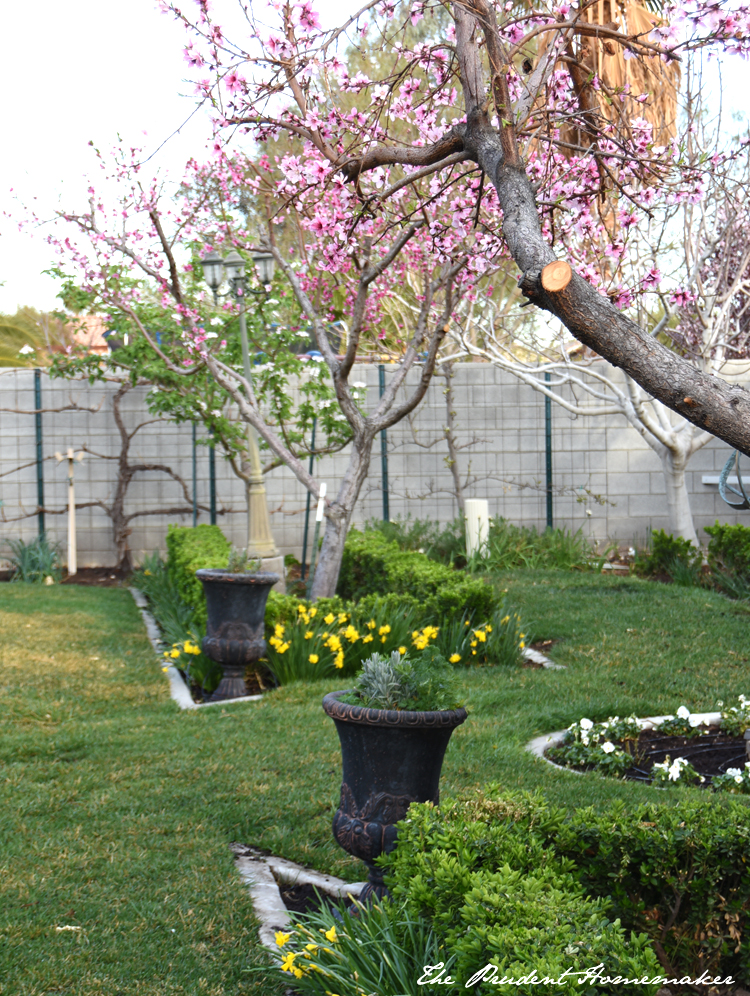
[[500, 427]]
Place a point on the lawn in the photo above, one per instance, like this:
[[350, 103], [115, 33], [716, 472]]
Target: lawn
[[117, 808]]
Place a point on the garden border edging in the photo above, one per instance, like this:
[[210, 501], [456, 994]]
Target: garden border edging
[[178, 688], [262, 873]]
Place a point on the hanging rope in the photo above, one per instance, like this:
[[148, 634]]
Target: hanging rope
[[724, 486]]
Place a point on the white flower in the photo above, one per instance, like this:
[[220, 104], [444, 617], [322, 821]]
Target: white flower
[[359, 384], [683, 713], [216, 321], [738, 779], [608, 746], [585, 724], [211, 335], [695, 720], [733, 772], [584, 738], [24, 350]]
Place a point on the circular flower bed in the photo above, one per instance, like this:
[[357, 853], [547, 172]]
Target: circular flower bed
[[706, 750]]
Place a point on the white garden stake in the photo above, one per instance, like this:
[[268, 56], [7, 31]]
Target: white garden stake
[[72, 549], [477, 525]]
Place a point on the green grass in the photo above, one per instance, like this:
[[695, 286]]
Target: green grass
[[116, 808]]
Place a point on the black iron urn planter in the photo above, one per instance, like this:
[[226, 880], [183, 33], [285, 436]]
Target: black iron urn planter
[[236, 606], [391, 758]]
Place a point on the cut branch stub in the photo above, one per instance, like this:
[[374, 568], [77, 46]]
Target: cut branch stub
[[556, 276]]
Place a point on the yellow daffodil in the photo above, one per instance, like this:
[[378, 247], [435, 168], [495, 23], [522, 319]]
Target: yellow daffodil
[[308, 634], [175, 653], [313, 658], [330, 618], [522, 635], [287, 964], [522, 645], [473, 653], [454, 658], [371, 624], [283, 648], [488, 628], [480, 635], [384, 630], [338, 660], [473, 643], [415, 634], [367, 639], [330, 935], [313, 612], [278, 630], [147, 573], [165, 668], [402, 650], [351, 634], [504, 620], [466, 623], [342, 618], [281, 938], [311, 947]]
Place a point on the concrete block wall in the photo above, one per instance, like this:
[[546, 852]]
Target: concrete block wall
[[499, 425]]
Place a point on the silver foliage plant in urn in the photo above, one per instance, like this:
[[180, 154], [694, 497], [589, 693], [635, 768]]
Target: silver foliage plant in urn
[[394, 728]]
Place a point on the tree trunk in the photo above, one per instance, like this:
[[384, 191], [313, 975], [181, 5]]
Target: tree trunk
[[678, 499], [339, 516]]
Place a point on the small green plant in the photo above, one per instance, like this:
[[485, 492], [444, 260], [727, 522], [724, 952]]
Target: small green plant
[[682, 724], [35, 562], [239, 562], [423, 683], [595, 745], [729, 559], [677, 772], [736, 781], [671, 555], [509, 546], [735, 720]]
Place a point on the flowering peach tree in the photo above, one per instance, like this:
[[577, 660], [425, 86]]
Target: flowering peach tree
[[439, 146]]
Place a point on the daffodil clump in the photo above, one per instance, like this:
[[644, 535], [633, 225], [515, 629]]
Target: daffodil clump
[[499, 641], [357, 952], [315, 645], [188, 657]]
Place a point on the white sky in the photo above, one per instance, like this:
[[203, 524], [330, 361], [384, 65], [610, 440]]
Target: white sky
[[85, 70]]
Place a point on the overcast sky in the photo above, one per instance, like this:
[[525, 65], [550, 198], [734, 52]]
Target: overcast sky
[[86, 70]]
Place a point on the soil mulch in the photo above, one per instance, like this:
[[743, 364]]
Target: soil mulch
[[710, 754], [101, 577], [304, 898]]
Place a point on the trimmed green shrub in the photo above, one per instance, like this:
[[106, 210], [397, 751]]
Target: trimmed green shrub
[[729, 558], [190, 549], [671, 555], [372, 565], [679, 875], [495, 894]]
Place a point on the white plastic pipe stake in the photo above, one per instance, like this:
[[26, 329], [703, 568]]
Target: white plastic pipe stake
[[71, 457], [477, 525], [321, 503]]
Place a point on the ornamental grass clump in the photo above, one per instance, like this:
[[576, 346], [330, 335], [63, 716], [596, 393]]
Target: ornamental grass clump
[[425, 682]]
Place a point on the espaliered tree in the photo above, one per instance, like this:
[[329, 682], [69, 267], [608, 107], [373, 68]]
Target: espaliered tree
[[483, 137]]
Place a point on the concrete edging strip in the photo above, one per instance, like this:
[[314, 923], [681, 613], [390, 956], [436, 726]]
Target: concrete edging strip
[[262, 873], [178, 688]]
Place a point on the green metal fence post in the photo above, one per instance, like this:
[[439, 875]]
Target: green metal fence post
[[39, 456], [383, 450], [548, 449]]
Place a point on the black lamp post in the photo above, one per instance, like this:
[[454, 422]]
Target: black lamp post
[[260, 542]]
